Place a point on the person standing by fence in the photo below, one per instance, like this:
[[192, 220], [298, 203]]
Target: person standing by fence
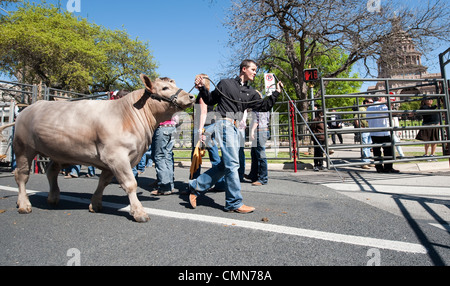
[[336, 123], [365, 136], [429, 134], [377, 120], [318, 128], [397, 134], [259, 134]]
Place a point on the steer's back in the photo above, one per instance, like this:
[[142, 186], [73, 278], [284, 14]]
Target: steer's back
[[67, 132]]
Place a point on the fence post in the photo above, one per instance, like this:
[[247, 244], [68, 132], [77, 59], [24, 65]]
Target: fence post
[[325, 121], [294, 142], [391, 122], [34, 94], [443, 63]]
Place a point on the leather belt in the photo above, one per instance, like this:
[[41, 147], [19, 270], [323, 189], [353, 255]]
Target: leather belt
[[233, 121]]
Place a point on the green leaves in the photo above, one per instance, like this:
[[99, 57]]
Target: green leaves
[[41, 43], [328, 61]]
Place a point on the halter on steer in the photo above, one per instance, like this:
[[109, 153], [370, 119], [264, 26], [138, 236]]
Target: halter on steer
[[172, 99]]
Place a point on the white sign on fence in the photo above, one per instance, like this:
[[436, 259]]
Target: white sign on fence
[[269, 80]]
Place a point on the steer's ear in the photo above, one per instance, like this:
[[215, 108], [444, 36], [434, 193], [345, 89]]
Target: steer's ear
[[147, 82]]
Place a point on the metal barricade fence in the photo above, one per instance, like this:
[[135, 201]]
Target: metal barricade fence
[[340, 161], [27, 94], [10, 94], [279, 147]]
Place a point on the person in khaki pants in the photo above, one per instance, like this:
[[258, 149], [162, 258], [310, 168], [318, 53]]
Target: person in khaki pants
[[365, 136]]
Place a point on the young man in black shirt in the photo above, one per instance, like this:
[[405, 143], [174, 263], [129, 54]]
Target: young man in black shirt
[[232, 97]]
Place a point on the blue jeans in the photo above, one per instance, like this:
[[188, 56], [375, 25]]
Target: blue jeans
[[366, 139], [214, 158], [162, 146], [399, 148], [241, 133], [259, 159], [226, 135], [74, 170], [140, 167], [91, 171]]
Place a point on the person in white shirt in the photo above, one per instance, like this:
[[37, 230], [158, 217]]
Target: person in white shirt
[[397, 134], [380, 137]]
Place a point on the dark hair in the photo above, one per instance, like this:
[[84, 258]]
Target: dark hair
[[319, 112], [122, 93], [246, 64], [378, 98]]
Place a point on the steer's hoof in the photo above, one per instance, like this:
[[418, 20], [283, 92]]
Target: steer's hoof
[[141, 217], [53, 202], [25, 210], [95, 208]]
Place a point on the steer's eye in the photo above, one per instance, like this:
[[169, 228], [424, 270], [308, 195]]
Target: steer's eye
[[165, 88]]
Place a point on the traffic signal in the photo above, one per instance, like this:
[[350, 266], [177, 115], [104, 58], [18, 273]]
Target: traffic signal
[[311, 75]]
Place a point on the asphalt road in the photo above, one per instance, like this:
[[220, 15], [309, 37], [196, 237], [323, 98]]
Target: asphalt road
[[303, 219]]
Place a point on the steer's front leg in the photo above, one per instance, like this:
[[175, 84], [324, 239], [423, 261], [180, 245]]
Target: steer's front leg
[[129, 184], [119, 165], [136, 208]]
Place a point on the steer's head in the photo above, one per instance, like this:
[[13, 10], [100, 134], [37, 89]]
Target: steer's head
[[165, 89]]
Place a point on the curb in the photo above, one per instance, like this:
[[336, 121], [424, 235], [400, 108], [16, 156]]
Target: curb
[[406, 167]]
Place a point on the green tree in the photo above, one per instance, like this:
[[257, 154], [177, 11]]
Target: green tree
[[326, 61], [126, 59], [40, 43], [345, 24]]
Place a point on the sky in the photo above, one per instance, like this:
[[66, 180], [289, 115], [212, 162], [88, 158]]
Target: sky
[[186, 37]]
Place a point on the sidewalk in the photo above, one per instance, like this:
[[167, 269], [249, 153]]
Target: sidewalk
[[354, 155], [422, 166], [408, 166]]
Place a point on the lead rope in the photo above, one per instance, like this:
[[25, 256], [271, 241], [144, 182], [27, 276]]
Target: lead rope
[[226, 96]]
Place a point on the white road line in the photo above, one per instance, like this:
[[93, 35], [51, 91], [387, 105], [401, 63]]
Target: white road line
[[429, 192], [445, 227], [382, 197], [327, 236]]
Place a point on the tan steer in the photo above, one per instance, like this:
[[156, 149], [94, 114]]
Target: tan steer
[[109, 135]]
